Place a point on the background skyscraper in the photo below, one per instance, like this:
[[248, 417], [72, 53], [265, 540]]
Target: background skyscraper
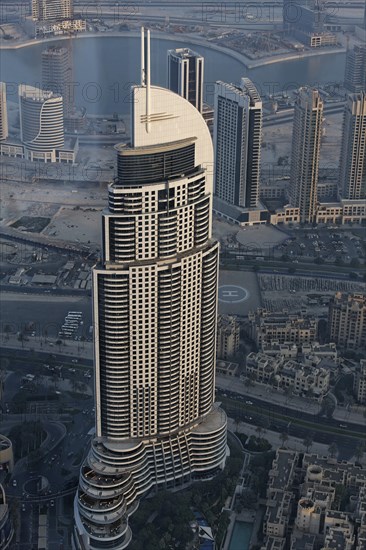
[[237, 142], [355, 72], [3, 112], [306, 137], [57, 75], [155, 308], [352, 171], [41, 123], [52, 10], [185, 75]]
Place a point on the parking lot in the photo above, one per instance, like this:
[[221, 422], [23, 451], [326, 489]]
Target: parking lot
[[326, 245]]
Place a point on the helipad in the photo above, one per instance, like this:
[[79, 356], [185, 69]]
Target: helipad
[[233, 294]]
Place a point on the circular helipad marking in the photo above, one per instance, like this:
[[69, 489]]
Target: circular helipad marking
[[232, 294]]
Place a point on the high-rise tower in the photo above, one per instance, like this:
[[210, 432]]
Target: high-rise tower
[[3, 112], [306, 138], [185, 75], [355, 72], [237, 142], [155, 302], [352, 171], [57, 75]]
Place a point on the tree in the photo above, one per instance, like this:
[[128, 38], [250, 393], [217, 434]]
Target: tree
[[284, 438], [333, 449], [7, 329], [360, 450], [58, 343], [308, 442]]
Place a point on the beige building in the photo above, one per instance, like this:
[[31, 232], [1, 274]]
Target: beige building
[[283, 327], [307, 131], [360, 382], [228, 335], [347, 320]]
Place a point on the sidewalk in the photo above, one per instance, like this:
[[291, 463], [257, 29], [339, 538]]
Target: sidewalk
[[273, 396]]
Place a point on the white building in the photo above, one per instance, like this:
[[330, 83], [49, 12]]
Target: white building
[[155, 307], [41, 123]]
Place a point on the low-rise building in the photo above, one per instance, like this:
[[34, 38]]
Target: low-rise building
[[282, 327]]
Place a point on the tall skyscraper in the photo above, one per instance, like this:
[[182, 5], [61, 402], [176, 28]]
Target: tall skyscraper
[[41, 123], [355, 72], [57, 75], [237, 142], [52, 10], [306, 137], [352, 170], [3, 112], [154, 307], [185, 75]]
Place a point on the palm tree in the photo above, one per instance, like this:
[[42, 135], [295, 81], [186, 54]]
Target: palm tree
[[333, 449], [284, 438], [308, 442], [360, 450]]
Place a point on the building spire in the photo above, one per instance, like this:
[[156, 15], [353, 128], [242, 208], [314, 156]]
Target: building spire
[[145, 70]]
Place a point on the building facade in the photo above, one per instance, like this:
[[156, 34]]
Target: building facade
[[155, 307], [237, 143], [359, 386], [352, 170], [228, 336], [52, 10], [57, 75], [355, 72], [185, 75], [306, 136], [41, 123], [282, 327], [347, 320], [4, 131]]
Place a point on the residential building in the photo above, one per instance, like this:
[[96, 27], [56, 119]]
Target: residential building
[[312, 484], [359, 385], [228, 335], [347, 320], [294, 328], [4, 130], [41, 123], [57, 75], [154, 319], [355, 72], [301, 375], [306, 136], [6, 525], [352, 170], [185, 75], [52, 10], [237, 143]]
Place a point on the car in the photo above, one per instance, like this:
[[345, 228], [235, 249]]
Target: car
[[249, 402], [52, 503], [23, 507], [14, 482]]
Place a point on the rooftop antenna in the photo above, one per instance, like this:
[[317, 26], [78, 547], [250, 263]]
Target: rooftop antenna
[[145, 71]]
